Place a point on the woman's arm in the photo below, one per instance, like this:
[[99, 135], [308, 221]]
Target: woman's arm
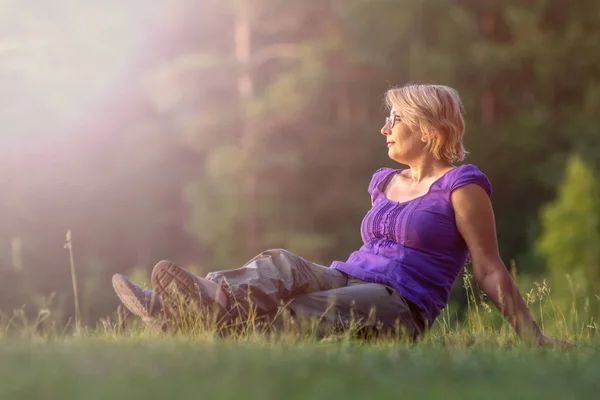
[[476, 223]]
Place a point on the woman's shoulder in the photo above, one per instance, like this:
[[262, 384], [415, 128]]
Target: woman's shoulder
[[379, 176], [469, 174]]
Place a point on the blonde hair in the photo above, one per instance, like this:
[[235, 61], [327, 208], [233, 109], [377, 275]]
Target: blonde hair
[[437, 112]]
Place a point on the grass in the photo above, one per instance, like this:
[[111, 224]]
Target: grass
[[185, 368], [476, 356], [461, 363]]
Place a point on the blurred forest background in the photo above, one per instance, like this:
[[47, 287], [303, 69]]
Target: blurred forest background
[[207, 131]]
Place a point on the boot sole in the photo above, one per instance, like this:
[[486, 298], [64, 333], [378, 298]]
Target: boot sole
[[175, 287]]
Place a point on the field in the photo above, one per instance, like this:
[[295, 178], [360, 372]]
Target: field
[[148, 367], [472, 357]]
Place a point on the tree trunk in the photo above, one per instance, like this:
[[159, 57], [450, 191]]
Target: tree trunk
[[487, 29], [245, 83]]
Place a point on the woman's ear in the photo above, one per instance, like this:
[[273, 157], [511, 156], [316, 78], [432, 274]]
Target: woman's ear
[[427, 134]]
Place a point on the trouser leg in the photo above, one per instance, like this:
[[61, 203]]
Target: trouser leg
[[273, 277], [366, 307]]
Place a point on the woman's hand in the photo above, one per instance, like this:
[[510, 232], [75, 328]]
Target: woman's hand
[[548, 341]]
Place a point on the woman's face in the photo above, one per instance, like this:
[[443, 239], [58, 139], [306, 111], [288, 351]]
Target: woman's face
[[404, 144]]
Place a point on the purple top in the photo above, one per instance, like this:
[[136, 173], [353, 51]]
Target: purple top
[[414, 246]]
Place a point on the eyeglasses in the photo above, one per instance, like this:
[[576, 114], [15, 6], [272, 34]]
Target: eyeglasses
[[392, 119]]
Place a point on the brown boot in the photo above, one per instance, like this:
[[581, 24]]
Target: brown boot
[[141, 302], [182, 290]]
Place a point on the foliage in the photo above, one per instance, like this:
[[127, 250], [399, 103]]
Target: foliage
[[571, 231], [204, 132]]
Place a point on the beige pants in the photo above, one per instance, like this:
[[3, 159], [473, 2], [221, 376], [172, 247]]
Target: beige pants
[[309, 290]]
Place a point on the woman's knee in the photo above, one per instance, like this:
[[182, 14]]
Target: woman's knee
[[277, 253]]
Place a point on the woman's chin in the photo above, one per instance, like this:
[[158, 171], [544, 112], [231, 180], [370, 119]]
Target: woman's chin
[[395, 156]]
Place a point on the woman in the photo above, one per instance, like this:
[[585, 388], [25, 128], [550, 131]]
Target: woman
[[423, 223]]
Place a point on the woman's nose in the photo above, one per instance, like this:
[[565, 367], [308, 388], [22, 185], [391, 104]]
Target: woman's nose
[[385, 130]]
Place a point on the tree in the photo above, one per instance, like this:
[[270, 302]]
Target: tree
[[254, 85], [570, 240]]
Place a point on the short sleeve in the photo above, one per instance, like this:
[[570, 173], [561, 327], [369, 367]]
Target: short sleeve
[[468, 174], [376, 180]]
